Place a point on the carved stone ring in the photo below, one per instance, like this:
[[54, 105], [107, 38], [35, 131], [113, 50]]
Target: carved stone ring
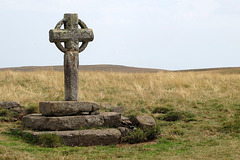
[[60, 46], [75, 34]]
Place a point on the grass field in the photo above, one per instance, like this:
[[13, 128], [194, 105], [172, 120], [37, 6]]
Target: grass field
[[212, 98]]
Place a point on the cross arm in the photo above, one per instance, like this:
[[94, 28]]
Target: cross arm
[[64, 35]]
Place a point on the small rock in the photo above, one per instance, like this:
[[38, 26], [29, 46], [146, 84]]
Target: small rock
[[144, 121], [12, 106], [125, 122]]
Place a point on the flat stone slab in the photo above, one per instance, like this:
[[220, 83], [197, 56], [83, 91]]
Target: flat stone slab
[[46, 123], [43, 123], [65, 108], [89, 137]]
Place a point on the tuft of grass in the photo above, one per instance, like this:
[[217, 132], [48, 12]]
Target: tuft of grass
[[138, 135], [28, 137], [3, 112], [31, 109], [44, 140], [177, 131], [178, 115], [162, 110], [8, 116], [232, 126], [49, 140], [5, 119], [132, 113]]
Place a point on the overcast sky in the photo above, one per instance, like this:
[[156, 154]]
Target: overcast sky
[[164, 34]]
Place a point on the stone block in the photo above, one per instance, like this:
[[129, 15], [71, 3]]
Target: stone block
[[39, 122], [144, 121], [90, 137], [64, 108], [111, 119]]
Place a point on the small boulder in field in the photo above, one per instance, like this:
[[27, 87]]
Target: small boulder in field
[[144, 122], [11, 106]]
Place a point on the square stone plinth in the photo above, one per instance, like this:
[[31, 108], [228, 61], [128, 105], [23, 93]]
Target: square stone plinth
[[65, 108], [90, 137]]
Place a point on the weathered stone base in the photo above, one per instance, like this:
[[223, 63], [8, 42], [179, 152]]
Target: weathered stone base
[[65, 108], [90, 137], [44, 123]]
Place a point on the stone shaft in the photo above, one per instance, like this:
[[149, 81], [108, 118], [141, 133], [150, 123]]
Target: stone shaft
[[71, 77], [71, 60], [71, 24]]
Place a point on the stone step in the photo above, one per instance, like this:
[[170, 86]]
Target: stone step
[[65, 108], [90, 137], [44, 123]]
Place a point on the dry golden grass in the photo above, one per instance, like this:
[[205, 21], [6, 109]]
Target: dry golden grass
[[129, 89]]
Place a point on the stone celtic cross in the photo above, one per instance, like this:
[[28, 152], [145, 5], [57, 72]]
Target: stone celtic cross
[[71, 35]]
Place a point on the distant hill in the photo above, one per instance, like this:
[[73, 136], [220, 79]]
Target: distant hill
[[120, 68], [105, 68], [226, 70]]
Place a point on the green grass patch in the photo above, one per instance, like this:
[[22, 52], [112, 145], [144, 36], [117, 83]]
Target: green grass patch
[[232, 126], [44, 140], [138, 135], [178, 115], [3, 112], [132, 113], [31, 109], [49, 140], [162, 110]]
